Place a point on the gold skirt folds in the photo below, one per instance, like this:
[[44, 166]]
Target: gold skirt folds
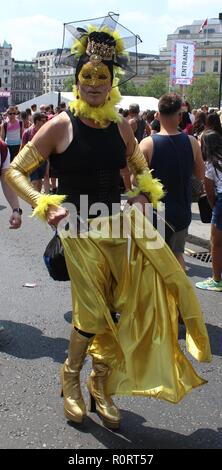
[[147, 286]]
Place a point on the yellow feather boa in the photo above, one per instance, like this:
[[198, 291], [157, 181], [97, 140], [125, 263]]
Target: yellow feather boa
[[100, 114], [149, 185], [44, 201]]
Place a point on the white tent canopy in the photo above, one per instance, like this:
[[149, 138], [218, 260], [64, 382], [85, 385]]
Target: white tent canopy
[[144, 102]]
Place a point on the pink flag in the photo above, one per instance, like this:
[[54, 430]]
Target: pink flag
[[203, 24]]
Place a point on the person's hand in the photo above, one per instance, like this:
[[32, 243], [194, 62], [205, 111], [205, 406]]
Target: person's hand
[[55, 213], [140, 202], [15, 220]]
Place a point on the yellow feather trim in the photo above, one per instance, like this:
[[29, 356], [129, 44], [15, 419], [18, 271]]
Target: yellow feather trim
[[149, 185], [46, 200], [99, 114]]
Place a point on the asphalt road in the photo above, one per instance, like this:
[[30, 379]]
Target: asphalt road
[[33, 346]]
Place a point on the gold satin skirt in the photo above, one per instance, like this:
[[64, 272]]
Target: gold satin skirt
[[147, 287]]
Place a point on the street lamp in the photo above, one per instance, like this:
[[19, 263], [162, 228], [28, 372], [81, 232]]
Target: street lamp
[[59, 89], [220, 82]]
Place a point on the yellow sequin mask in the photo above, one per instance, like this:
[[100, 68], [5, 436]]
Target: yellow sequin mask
[[94, 75]]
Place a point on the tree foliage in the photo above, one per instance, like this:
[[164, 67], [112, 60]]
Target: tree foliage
[[156, 86], [68, 84], [203, 90], [129, 89]]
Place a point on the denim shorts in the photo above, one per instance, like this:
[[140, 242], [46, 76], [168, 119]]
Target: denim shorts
[[217, 212]]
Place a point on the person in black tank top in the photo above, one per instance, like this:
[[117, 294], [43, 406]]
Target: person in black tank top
[[89, 146], [173, 156]]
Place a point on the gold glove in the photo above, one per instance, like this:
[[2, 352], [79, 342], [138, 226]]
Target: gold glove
[[17, 177], [152, 187]]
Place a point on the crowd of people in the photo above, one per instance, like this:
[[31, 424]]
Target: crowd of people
[[17, 128], [89, 147]]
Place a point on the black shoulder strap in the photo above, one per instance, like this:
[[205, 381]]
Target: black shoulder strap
[[5, 129], [73, 121], [20, 123]]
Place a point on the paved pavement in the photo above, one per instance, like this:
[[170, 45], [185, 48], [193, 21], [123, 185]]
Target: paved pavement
[[199, 233], [33, 346]]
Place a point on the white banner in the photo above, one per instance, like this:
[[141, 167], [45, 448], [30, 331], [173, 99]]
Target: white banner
[[5, 93], [184, 62]]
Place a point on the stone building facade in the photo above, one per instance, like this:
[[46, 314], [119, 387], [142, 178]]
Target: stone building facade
[[27, 81]]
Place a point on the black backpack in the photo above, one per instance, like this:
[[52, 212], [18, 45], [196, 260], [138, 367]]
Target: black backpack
[[4, 153], [140, 129]]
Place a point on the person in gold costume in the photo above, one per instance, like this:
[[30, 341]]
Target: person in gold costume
[[89, 145]]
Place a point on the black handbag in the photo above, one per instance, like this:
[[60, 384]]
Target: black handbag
[[54, 259], [196, 188], [205, 209]]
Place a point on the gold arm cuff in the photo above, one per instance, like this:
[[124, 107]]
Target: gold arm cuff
[[16, 176], [137, 162], [145, 183]]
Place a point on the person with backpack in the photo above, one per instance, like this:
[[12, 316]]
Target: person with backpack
[[212, 154], [11, 132], [138, 124], [15, 219], [37, 176]]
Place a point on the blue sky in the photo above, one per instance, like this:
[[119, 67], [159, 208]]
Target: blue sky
[[31, 25]]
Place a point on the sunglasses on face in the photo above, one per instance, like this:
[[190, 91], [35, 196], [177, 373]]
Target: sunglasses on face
[[11, 114]]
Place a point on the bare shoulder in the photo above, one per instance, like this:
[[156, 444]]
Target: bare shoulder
[[146, 143], [194, 143], [50, 136], [146, 146]]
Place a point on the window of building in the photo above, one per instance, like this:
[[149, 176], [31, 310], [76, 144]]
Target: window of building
[[216, 52], [142, 71], [209, 31], [216, 66], [6, 62], [204, 52], [203, 66], [184, 31]]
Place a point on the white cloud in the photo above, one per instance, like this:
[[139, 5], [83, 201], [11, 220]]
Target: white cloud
[[153, 30], [28, 35]]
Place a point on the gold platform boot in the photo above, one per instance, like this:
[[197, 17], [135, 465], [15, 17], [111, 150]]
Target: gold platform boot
[[100, 402], [74, 406]]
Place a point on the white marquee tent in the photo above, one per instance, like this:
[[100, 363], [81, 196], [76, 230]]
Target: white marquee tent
[[144, 102]]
